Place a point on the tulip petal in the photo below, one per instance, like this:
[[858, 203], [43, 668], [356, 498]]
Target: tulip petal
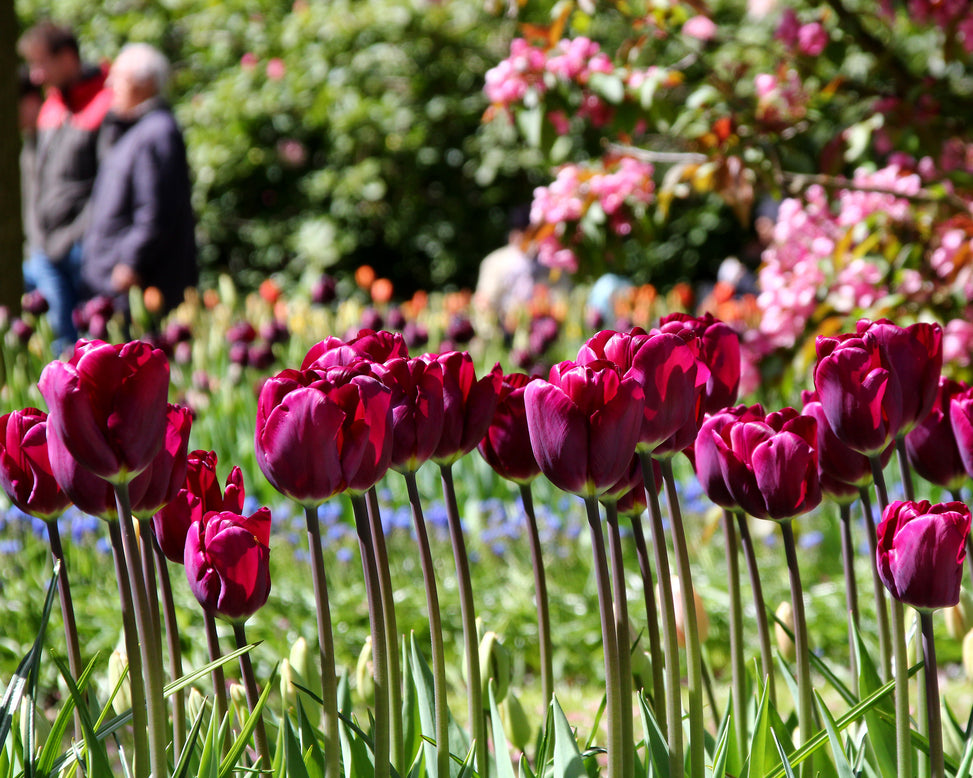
[[558, 435]]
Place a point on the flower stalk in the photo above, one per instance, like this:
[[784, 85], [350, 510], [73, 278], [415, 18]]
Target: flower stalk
[[626, 724], [805, 717], [253, 696], [737, 664], [651, 617], [540, 586], [760, 607]]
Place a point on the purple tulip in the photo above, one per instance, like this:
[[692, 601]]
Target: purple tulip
[[367, 344], [159, 483], [227, 562], [584, 424], [719, 350], [706, 455], [25, 465], [108, 406], [931, 446], [506, 445], [961, 419], [417, 409], [921, 548]]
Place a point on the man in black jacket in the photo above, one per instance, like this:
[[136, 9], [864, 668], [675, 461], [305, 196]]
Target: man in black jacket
[[141, 229], [75, 104]]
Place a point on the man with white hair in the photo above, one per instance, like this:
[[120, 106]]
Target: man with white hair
[[141, 231]]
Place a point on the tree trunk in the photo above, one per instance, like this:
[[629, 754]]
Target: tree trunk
[[11, 223]]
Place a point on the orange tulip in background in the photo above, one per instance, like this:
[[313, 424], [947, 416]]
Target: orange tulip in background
[[381, 290], [365, 277], [270, 291]]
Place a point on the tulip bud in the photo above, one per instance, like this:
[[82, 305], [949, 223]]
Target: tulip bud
[[287, 689], [515, 723], [495, 665], [196, 703], [238, 701], [968, 655], [117, 665], [785, 643], [959, 618], [364, 679], [306, 669], [702, 620]]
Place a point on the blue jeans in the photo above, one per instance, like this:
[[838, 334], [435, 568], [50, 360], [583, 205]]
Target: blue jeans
[[60, 283]]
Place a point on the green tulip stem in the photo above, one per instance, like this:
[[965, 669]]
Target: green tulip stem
[[670, 644], [904, 470], [933, 713], [391, 631], [253, 696], [805, 700], [376, 623], [878, 476], [737, 663], [435, 629], [67, 613], [140, 727], [219, 680], [158, 719], [881, 602], [540, 587], [763, 628], [924, 766], [613, 680], [626, 722], [175, 649], [694, 657], [329, 679], [851, 587], [651, 617], [148, 572], [468, 617]]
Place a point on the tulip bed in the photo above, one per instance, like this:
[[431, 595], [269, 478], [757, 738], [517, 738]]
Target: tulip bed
[[475, 611]]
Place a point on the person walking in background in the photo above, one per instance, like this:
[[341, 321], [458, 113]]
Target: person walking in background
[[141, 230], [29, 102], [76, 101]]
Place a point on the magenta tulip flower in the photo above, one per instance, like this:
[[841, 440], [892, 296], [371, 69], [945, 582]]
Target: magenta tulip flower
[[227, 562], [199, 494], [706, 455], [417, 409], [921, 548], [770, 467], [319, 433], [931, 446], [89, 492], [108, 406], [468, 404], [860, 395], [158, 484], [719, 350], [584, 423], [961, 419], [25, 465], [666, 369], [506, 445], [368, 344]]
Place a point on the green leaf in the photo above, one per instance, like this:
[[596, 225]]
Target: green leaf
[[881, 734], [426, 704], [181, 769], [229, 763], [567, 757], [656, 745], [293, 762], [757, 762], [504, 767], [98, 763], [209, 760], [788, 770], [837, 750]]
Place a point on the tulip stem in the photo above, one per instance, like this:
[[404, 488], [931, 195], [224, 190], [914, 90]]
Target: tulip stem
[[468, 616], [148, 637], [253, 696], [67, 613], [763, 628], [140, 728], [435, 630], [651, 619], [540, 586], [694, 658], [175, 649], [376, 622], [922, 693], [626, 723], [933, 713], [329, 682], [391, 631], [805, 718], [904, 471], [219, 680], [851, 588], [148, 571], [609, 637], [673, 729], [737, 664], [903, 727], [881, 603]]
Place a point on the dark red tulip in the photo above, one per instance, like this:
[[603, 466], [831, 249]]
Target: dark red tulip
[[89, 492], [325, 290], [771, 467], [931, 447], [417, 409], [468, 404], [961, 419], [199, 494], [915, 355], [706, 455], [368, 344], [241, 332], [584, 424], [629, 492], [719, 350], [159, 483], [861, 396], [228, 562], [506, 445], [25, 465], [666, 369], [319, 433], [108, 406], [920, 553]]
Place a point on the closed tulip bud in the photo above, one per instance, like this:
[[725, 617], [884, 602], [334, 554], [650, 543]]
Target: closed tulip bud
[[117, 667], [238, 701], [785, 643], [196, 703], [364, 674], [25, 465], [959, 618], [506, 444], [468, 404], [968, 655], [288, 691], [494, 665], [931, 446], [304, 664], [417, 409], [516, 725]]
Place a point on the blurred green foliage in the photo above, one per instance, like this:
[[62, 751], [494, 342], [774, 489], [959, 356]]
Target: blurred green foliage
[[329, 134]]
